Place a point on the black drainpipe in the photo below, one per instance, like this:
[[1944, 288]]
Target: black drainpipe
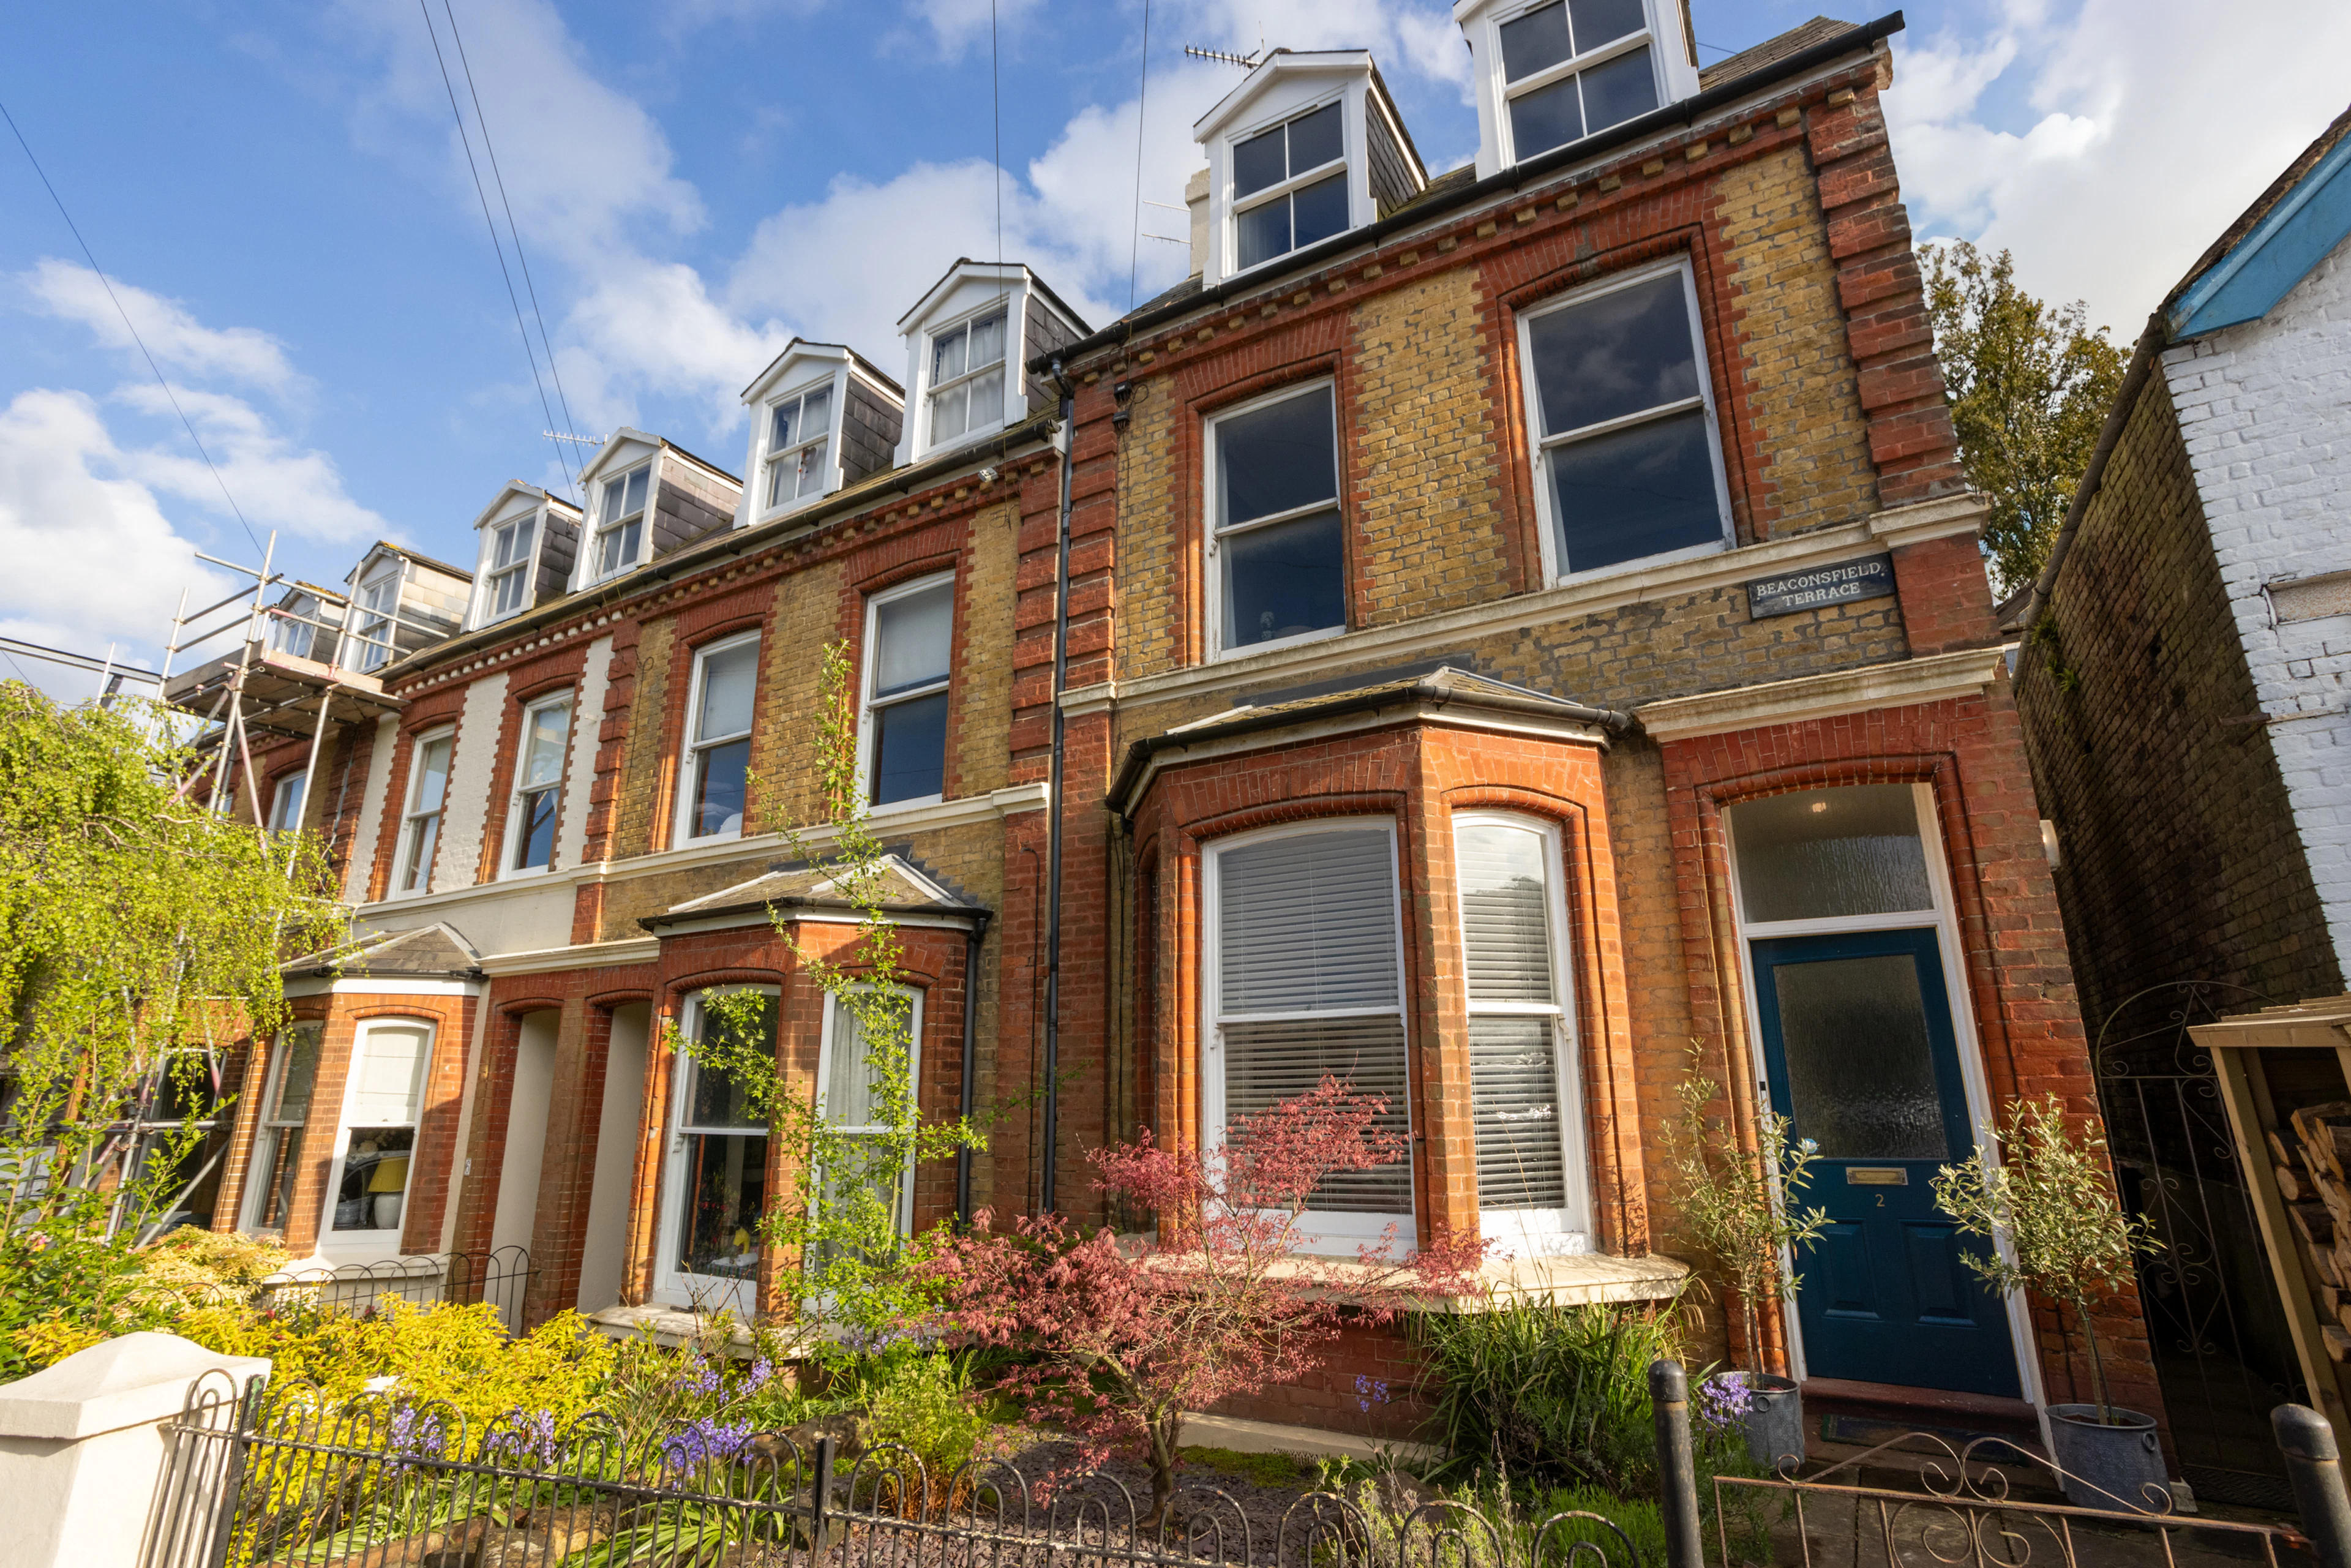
[[972, 938], [1066, 439]]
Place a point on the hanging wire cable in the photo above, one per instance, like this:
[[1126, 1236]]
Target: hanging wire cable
[[1141, 102], [496, 243], [996, 111], [515, 232], [107, 284]]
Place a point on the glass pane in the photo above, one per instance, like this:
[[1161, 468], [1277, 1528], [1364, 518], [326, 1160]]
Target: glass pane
[[1309, 922], [1615, 92], [910, 749], [1268, 1062], [1262, 233], [784, 429], [728, 679], [1861, 1073], [1277, 458], [424, 832], [986, 399], [1284, 579], [1259, 161], [1636, 491], [725, 1192], [947, 354], [509, 591], [1822, 853], [811, 464], [711, 1099], [1319, 211], [1505, 916], [781, 481], [1315, 140], [279, 1164], [390, 1072], [536, 837], [721, 773], [287, 811], [1613, 355], [375, 1179], [294, 1079], [849, 1074], [1514, 1103], [1536, 40], [1546, 118], [987, 342], [916, 637], [542, 761], [433, 773], [1599, 22], [949, 411]]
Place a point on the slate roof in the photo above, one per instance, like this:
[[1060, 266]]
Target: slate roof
[[1803, 36], [438, 951], [905, 889]]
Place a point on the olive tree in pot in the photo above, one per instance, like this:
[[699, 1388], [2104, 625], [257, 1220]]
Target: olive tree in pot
[[1737, 1204], [2050, 1199]]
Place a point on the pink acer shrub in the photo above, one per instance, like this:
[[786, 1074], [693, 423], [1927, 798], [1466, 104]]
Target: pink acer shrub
[[1127, 1332]]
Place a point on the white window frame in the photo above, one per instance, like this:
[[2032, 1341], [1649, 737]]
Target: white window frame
[[404, 847], [1213, 534], [299, 778], [593, 547], [375, 1242], [1504, 90], [690, 750], [1333, 1229], [1944, 919], [869, 729], [832, 1034], [772, 459], [1540, 1232], [671, 1285], [1013, 303], [517, 817], [1344, 165], [1540, 445], [376, 621], [292, 637], [269, 1133], [527, 569]]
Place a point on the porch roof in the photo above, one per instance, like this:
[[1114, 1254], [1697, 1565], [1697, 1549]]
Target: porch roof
[[437, 951], [904, 891]]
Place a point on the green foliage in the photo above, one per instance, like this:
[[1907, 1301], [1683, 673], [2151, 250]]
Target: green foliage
[[1639, 1517], [1258, 1469], [2029, 386], [1740, 1206], [2052, 1200], [1549, 1393], [839, 1217], [923, 1401]]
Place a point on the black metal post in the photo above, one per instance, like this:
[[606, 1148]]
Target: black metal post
[[1677, 1466], [2316, 1468], [819, 1495]]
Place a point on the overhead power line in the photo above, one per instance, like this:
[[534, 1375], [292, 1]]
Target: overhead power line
[[1141, 102], [496, 245], [103, 282]]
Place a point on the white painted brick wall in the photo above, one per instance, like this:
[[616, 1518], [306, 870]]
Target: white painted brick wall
[[2265, 409], [466, 816], [579, 771]]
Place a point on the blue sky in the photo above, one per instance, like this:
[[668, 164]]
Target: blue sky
[[278, 196]]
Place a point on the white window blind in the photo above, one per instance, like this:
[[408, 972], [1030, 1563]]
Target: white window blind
[[1308, 986], [391, 1070], [1515, 1018]]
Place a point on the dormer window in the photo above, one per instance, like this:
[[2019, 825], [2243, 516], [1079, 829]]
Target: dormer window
[[372, 620], [968, 377], [621, 519], [799, 437], [1290, 186], [1574, 68], [509, 574]]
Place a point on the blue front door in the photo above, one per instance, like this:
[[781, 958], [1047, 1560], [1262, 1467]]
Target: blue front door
[[1857, 1042]]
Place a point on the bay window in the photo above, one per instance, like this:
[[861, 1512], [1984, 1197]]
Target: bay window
[[276, 1162], [1290, 186], [1305, 962], [718, 1167], [378, 1146], [850, 1105], [621, 520], [420, 828], [718, 738], [1627, 462], [1572, 68], [966, 377], [538, 783], [1524, 1100], [909, 643], [800, 429], [1276, 543]]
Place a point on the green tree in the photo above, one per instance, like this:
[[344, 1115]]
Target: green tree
[[837, 1218], [2030, 386], [140, 935]]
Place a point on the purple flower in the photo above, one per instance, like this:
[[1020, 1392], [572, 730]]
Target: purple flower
[[531, 1440], [705, 1441], [1368, 1391], [1723, 1400], [761, 1370], [703, 1380], [415, 1434]]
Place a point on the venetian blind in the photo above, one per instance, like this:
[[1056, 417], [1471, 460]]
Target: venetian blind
[[1506, 928], [390, 1068], [1506, 942]]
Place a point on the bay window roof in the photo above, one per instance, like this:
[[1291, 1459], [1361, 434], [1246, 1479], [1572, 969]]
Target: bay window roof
[[1311, 145], [822, 417], [968, 341]]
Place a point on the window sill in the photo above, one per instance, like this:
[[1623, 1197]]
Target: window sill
[[1275, 644], [525, 873], [969, 437], [1601, 575], [1574, 1280], [911, 803]]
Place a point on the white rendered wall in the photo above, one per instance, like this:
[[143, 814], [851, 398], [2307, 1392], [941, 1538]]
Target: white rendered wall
[[527, 1103], [371, 799], [604, 1247], [2265, 410], [579, 771], [459, 860]]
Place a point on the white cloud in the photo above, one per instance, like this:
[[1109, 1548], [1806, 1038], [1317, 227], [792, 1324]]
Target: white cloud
[[2152, 127], [179, 342], [91, 557], [276, 483], [958, 24]]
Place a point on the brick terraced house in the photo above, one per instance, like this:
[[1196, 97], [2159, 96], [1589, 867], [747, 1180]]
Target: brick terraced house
[[1481, 634]]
